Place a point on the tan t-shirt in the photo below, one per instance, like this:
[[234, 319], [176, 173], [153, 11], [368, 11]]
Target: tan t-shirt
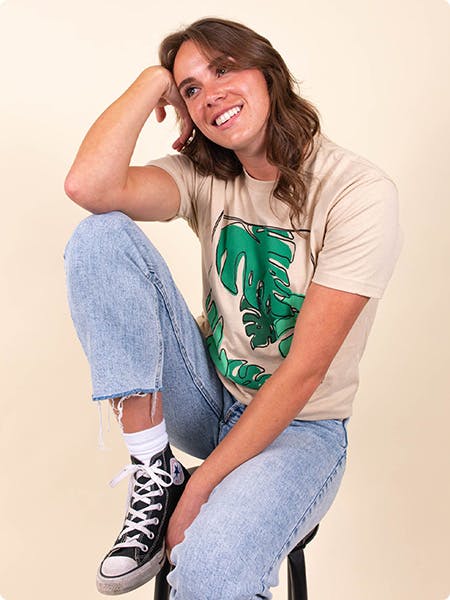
[[256, 268]]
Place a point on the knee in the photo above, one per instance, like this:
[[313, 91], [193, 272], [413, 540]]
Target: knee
[[212, 569], [96, 248], [95, 232]]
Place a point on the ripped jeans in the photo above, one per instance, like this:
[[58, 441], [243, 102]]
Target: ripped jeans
[[140, 337]]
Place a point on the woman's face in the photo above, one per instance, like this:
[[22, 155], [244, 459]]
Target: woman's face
[[231, 108]]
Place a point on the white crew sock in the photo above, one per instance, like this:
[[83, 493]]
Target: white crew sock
[[144, 444]]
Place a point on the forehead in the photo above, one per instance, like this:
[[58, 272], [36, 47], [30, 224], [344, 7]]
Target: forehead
[[191, 60]]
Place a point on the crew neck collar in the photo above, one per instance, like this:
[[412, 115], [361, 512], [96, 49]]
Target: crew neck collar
[[266, 185], [258, 182]]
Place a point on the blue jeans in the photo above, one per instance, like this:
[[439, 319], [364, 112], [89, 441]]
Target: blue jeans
[[140, 337]]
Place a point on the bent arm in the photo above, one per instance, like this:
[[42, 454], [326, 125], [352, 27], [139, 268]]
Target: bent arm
[[326, 317], [101, 179]]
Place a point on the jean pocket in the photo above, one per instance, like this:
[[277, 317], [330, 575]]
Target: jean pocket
[[337, 429], [234, 412], [345, 423], [342, 430]]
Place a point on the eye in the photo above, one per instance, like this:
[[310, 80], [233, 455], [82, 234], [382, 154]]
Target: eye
[[221, 71], [190, 91]]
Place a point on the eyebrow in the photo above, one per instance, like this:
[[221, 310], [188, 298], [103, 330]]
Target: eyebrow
[[214, 63], [185, 82]]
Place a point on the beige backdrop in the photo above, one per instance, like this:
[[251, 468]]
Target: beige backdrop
[[378, 72]]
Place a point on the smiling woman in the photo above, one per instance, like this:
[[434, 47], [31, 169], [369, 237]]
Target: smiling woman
[[299, 239], [291, 121], [229, 106]]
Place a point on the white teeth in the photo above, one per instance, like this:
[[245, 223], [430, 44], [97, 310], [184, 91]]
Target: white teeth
[[227, 115]]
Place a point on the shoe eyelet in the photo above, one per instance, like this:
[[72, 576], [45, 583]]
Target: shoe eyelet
[[160, 506], [156, 521], [145, 548]]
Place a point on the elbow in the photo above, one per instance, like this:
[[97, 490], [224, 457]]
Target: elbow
[[81, 195], [71, 188]]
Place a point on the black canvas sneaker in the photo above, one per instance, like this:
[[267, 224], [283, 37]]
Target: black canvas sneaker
[[139, 552]]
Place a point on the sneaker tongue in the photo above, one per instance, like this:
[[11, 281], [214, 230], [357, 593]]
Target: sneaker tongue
[[142, 480], [140, 504]]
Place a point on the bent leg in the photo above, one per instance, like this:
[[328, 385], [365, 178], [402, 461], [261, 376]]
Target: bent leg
[[137, 331], [258, 513]]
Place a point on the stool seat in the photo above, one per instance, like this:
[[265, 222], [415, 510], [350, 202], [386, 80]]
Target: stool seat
[[297, 588]]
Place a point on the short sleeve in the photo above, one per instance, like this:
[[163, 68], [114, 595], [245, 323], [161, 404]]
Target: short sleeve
[[182, 170], [362, 241]]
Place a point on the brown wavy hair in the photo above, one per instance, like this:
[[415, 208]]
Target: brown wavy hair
[[293, 121]]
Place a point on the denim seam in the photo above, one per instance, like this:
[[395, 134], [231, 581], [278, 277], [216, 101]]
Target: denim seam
[[307, 511], [197, 382], [160, 366], [152, 276], [130, 231]]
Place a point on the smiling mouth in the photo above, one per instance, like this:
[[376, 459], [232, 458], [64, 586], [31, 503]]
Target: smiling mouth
[[226, 116]]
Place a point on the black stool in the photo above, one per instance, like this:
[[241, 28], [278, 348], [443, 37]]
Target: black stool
[[297, 589]]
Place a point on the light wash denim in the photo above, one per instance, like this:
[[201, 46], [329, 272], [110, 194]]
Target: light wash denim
[[140, 337]]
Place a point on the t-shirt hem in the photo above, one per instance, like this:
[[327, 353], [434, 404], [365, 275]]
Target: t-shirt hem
[[308, 413], [348, 285], [319, 416], [323, 417], [169, 168]]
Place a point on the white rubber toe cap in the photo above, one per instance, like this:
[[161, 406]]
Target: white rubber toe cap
[[114, 566]]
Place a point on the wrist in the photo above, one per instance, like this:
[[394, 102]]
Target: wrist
[[159, 76], [201, 482]]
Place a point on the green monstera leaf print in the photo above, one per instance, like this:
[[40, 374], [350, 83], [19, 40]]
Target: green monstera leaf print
[[239, 370], [269, 308]]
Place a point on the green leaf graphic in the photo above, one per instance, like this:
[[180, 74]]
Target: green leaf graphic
[[253, 261], [238, 370], [263, 254]]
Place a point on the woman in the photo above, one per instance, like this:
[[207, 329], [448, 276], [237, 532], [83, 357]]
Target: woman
[[299, 239]]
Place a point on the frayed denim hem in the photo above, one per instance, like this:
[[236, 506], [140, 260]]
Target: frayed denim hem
[[136, 392], [119, 407]]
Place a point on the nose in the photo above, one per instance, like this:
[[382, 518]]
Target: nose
[[214, 93]]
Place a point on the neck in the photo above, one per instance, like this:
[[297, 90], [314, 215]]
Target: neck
[[259, 168]]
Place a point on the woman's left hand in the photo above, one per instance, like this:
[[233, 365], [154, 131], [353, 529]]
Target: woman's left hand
[[185, 512]]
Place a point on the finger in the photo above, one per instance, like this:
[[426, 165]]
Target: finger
[[160, 113], [186, 132], [178, 144]]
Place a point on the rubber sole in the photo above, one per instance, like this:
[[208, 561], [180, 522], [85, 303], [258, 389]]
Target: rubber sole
[[113, 586]]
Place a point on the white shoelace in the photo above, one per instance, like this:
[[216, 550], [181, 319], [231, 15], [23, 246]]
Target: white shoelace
[[138, 492]]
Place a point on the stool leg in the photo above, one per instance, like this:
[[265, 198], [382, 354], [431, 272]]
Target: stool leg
[[297, 575], [162, 588]]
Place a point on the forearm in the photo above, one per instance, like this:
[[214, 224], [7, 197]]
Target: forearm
[[272, 409], [101, 164], [326, 318]]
